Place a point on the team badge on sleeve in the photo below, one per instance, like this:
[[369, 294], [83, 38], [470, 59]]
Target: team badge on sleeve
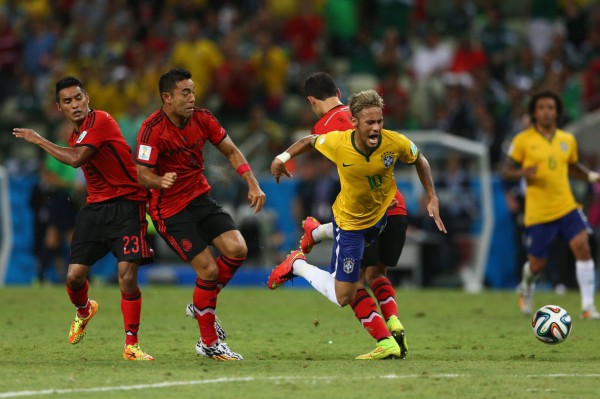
[[144, 152]]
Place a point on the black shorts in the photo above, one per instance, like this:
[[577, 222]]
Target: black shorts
[[191, 230], [118, 226], [388, 247]]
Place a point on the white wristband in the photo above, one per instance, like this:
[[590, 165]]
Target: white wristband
[[284, 157], [593, 176]]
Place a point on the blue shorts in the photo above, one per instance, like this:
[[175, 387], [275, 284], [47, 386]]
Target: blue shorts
[[539, 237], [348, 249]]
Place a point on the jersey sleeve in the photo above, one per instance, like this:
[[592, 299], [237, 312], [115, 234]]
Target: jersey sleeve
[[516, 151], [147, 152], [574, 155], [327, 144], [216, 132], [409, 152], [96, 130]]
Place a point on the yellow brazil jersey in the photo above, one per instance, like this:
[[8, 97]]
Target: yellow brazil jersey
[[549, 194], [367, 181]]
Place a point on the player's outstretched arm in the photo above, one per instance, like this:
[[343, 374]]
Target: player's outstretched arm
[[147, 178], [581, 172], [74, 157], [433, 206], [301, 146]]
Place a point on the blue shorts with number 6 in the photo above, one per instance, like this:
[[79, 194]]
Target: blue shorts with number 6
[[348, 249], [539, 237]]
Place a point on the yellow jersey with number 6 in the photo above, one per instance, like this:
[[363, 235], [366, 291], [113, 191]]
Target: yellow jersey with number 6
[[367, 181], [549, 194]]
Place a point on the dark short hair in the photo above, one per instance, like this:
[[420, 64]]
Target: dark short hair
[[66, 82], [320, 85], [168, 81], [545, 94]]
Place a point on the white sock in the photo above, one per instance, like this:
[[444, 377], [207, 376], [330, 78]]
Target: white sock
[[323, 232], [321, 280], [527, 277], [584, 269]]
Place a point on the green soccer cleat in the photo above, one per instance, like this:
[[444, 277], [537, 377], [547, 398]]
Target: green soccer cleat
[[77, 331], [397, 330], [387, 348]]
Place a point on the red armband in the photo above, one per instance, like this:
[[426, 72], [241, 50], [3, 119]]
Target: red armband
[[243, 169]]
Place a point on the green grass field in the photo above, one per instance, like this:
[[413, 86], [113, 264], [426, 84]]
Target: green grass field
[[296, 344]]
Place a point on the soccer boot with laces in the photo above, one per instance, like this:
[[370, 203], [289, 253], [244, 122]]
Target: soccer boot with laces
[[189, 312], [397, 330], [77, 331], [219, 351], [285, 271], [307, 242], [135, 353], [590, 313], [387, 348], [526, 298]]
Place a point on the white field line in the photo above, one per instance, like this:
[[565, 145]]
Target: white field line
[[42, 392]]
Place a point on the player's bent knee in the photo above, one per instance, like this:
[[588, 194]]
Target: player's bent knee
[[75, 282]]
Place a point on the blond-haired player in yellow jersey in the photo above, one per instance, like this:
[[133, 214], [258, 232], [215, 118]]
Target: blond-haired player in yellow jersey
[[545, 156], [365, 157]]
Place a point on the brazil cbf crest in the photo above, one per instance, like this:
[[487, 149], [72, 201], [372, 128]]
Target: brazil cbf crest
[[388, 159], [348, 265], [564, 146]]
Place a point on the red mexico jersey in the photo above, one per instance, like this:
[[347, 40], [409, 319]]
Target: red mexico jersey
[[168, 148], [340, 118], [110, 172]]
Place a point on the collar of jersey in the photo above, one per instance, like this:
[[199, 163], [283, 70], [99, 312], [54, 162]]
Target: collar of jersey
[[362, 153]]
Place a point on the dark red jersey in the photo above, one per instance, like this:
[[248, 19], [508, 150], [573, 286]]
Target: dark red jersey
[[168, 148], [110, 172], [340, 118]]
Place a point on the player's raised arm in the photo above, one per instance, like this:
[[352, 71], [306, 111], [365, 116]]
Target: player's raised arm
[[299, 147]]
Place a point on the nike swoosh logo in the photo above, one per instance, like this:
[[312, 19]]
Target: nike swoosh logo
[[346, 165]]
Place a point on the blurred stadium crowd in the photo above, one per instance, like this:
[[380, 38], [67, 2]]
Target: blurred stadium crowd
[[466, 67], [463, 66]]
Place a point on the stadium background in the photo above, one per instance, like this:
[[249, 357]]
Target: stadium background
[[462, 67]]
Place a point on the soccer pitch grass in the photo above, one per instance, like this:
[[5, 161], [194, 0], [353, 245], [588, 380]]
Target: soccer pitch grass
[[296, 344]]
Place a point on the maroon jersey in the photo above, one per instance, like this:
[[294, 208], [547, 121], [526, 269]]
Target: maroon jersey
[[110, 172], [168, 148], [340, 118]]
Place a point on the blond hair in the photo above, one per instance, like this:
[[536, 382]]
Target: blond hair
[[364, 99]]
